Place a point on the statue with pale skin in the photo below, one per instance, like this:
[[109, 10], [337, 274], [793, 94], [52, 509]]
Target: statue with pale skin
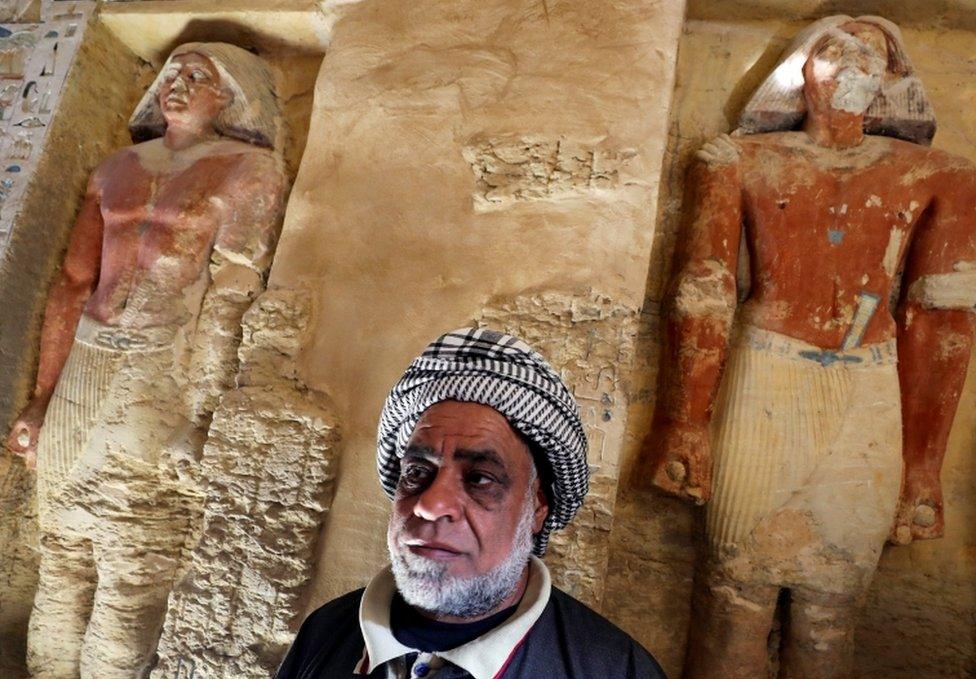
[[813, 418], [139, 340]]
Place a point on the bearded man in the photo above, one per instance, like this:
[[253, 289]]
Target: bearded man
[[482, 450], [139, 340]]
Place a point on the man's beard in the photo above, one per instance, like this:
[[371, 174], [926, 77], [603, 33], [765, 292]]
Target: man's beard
[[424, 584]]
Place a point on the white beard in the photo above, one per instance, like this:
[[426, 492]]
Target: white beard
[[422, 582]]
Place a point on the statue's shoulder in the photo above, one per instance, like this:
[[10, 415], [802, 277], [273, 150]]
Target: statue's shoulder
[[124, 161], [944, 167], [236, 147]]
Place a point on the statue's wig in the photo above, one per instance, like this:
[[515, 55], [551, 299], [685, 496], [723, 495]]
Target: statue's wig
[[900, 110], [252, 113]]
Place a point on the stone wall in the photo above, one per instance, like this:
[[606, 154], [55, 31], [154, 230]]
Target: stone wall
[[480, 161], [510, 163]]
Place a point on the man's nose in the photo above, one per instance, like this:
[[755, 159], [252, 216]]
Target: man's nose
[[441, 499], [179, 84]]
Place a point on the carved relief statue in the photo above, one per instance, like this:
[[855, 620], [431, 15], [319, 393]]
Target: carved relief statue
[[802, 415], [139, 340]]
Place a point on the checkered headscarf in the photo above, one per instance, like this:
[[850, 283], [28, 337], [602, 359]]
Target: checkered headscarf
[[503, 372]]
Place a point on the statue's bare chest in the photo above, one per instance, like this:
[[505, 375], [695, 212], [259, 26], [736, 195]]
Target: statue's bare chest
[[164, 211], [860, 213]]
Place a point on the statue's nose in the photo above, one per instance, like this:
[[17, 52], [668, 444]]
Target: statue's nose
[[179, 84]]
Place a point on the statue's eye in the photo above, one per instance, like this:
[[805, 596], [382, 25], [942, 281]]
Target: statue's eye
[[198, 76]]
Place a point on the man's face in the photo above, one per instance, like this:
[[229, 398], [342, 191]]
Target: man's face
[[467, 489], [847, 69], [191, 92]]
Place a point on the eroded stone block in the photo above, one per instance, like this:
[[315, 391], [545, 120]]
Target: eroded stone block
[[589, 339], [513, 169]]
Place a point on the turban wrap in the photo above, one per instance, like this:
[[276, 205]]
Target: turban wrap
[[503, 372]]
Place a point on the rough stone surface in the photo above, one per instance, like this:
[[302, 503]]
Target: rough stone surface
[[589, 340], [269, 466], [521, 168]]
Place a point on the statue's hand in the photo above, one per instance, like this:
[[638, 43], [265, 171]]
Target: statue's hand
[[682, 461], [180, 458], [25, 432], [919, 515]]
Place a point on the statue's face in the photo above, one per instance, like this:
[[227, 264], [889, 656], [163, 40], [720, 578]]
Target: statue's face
[[846, 71], [191, 92]]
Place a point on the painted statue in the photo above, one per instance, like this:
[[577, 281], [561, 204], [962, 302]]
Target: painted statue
[[139, 340], [813, 417]]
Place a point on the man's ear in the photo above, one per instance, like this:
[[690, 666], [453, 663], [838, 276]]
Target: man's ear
[[541, 506]]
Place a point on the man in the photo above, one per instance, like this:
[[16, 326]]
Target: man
[[818, 403], [139, 339], [482, 450]]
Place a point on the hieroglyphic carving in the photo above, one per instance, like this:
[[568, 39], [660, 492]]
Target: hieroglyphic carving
[[831, 379], [34, 60], [512, 169], [270, 463], [589, 340]]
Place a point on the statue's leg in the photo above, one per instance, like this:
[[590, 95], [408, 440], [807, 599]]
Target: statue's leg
[[730, 626], [134, 581], [848, 503], [62, 606], [138, 545], [819, 639]]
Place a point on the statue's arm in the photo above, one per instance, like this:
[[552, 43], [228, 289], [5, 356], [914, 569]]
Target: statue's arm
[[239, 262], [935, 334], [699, 307], [65, 301]]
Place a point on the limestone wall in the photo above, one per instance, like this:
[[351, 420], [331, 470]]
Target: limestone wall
[[510, 163], [492, 162]]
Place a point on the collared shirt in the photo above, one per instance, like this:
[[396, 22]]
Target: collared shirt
[[550, 635], [482, 658]]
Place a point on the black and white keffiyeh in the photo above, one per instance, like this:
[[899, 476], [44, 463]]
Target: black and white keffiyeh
[[503, 372]]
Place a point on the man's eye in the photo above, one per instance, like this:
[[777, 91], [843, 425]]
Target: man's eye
[[198, 76], [413, 475], [480, 479]]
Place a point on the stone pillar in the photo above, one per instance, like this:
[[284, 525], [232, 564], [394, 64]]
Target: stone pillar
[[488, 162]]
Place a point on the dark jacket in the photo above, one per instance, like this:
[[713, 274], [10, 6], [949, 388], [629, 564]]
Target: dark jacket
[[568, 640]]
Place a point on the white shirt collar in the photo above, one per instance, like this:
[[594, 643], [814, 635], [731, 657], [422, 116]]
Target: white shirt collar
[[483, 658]]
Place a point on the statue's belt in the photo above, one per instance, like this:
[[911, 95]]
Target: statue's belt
[[117, 338], [777, 344]]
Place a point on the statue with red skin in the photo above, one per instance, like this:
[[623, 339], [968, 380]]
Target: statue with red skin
[[139, 340], [812, 418]]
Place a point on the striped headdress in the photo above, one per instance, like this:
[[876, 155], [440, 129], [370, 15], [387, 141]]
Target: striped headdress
[[503, 372]]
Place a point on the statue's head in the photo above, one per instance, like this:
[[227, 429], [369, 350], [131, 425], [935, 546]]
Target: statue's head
[[856, 65], [844, 70], [210, 83]]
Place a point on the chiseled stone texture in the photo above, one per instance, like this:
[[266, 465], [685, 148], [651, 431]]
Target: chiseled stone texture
[[523, 168], [589, 340], [491, 161], [268, 466]]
